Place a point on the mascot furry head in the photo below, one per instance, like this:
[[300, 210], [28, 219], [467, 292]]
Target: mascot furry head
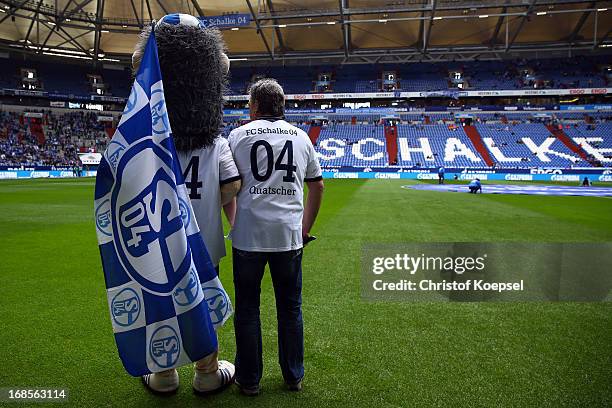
[[194, 69]]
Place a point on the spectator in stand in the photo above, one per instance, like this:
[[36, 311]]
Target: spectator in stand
[[65, 134]]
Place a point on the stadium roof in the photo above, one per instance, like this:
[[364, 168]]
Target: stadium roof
[[328, 31]]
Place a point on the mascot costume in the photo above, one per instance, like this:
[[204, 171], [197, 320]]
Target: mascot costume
[[164, 294], [194, 69]]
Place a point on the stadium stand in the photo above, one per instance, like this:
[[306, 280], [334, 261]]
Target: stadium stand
[[595, 139], [436, 145], [525, 142], [64, 135], [68, 79], [546, 73], [478, 75], [352, 145], [514, 146]]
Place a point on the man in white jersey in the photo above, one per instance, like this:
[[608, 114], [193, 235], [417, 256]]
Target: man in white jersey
[[275, 159], [194, 68]]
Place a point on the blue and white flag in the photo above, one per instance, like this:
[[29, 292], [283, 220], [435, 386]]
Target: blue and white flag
[[164, 295]]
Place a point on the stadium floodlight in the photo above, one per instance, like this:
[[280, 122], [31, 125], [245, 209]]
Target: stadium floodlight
[[55, 54], [61, 50]]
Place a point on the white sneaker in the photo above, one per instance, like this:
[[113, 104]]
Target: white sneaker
[[165, 382], [210, 383]]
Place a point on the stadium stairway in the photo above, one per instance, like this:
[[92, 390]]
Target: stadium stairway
[[37, 131], [313, 133], [567, 141], [391, 138], [110, 131], [476, 140]]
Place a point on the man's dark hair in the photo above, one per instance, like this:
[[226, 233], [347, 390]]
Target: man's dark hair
[[194, 72], [269, 96]]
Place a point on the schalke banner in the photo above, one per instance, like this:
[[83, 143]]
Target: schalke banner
[[164, 295], [226, 21]]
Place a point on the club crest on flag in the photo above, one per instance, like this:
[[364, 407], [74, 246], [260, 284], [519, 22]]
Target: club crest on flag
[[165, 347], [164, 296], [125, 307], [150, 241], [218, 303], [185, 295], [113, 153], [103, 220], [159, 115]]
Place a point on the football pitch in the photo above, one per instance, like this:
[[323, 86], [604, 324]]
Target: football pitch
[[56, 329]]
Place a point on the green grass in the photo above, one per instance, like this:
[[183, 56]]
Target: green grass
[[56, 331]]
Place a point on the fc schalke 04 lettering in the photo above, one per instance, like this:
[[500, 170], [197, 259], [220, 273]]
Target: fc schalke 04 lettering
[[277, 131]]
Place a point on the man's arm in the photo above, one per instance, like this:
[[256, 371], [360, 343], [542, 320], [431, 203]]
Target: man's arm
[[229, 191], [313, 203], [230, 211], [229, 179]]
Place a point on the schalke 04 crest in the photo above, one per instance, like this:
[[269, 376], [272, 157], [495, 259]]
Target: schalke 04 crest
[[148, 218]]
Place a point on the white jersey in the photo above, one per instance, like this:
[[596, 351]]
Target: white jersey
[[274, 159], [205, 170]]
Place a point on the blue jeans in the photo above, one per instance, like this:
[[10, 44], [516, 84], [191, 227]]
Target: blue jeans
[[286, 272]]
